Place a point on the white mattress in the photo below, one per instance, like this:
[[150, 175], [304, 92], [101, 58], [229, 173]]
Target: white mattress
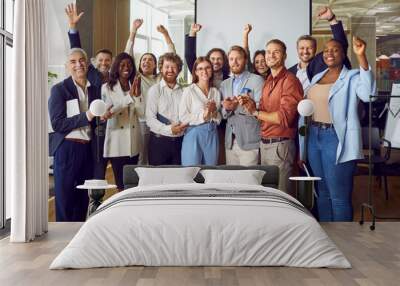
[[190, 231]]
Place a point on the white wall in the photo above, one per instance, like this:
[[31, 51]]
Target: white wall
[[57, 28], [223, 23]]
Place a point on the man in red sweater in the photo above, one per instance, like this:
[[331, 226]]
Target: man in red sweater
[[278, 113]]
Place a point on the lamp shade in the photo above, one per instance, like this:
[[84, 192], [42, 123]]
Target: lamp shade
[[98, 107], [305, 107]]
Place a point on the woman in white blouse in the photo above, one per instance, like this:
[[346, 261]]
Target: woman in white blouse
[[123, 136], [149, 77], [199, 107]]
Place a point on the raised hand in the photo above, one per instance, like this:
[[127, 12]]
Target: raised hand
[[325, 13], [359, 46], [162, 29], [72, 15], [247, 28], [136, 24], [194, 29]]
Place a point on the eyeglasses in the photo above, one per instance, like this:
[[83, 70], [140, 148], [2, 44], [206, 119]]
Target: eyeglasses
[[203, 69]]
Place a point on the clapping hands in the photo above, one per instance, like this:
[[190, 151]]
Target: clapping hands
[[209, 110], [230, 103], [135, 87]]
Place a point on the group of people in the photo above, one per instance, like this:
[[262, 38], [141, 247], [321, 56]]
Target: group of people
[[251, 105]]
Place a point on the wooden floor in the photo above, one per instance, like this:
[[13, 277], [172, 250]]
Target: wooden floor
[[374, 255]]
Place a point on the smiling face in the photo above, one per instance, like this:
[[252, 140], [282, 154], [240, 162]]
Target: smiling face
[[217, 61], [305, 50], [204, 71], [260, 65], [77, 66], [103, 62], [333, 54], [169, 71], [125, 69], [275, 56], [237, 62], [147, 65]]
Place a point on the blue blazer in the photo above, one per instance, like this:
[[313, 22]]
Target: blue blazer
[[93, 75], [344, 95], [60, 94], [317, 64]]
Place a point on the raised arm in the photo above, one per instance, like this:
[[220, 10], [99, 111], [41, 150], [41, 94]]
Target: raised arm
[[367, 84], [317, 65], [73, 19], [136, 24], [171, 47], [246, 31], [190, 45]]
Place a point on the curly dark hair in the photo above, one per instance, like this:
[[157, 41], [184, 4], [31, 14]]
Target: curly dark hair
[[225, 67], [114, 71]]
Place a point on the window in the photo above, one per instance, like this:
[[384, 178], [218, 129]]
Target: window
[[6, 45], [9, 15], [148, 39]]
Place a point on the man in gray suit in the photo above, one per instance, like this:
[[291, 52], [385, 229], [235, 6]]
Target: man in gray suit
[[242, 135]]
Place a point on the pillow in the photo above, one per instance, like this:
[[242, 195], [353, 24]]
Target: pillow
[[166, 176], [249, 177]]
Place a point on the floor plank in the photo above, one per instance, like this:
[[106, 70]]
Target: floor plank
[[375, 257]]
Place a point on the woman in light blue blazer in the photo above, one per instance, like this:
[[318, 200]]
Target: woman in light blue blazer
[[334, 139]]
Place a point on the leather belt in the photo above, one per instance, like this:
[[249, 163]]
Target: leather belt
[[322, 125], [273, 140], [166, 137], [81, 141]]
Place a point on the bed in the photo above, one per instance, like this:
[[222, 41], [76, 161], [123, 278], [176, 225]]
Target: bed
[[197, 224]]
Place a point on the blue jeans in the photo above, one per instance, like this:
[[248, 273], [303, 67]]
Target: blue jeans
[[335, 189], [200, 145]]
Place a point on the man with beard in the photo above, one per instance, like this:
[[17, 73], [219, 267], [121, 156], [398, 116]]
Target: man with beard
[[216, 56], [242, 135], [277, 113], [162, 114], [311, 64]]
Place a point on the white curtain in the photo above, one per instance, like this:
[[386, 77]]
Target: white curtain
[[26, 124]]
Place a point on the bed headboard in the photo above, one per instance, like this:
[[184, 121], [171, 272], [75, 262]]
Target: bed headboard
[[270, 179]]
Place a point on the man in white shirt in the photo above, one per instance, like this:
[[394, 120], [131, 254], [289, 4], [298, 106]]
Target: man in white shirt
[[72, 123], [162, 114]]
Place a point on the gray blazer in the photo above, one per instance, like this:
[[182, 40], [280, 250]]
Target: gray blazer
[[246, 127]]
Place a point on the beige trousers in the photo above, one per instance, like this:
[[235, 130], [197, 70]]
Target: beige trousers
[[281, 154], [237, 156]]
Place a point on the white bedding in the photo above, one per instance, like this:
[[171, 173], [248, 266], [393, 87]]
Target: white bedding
[[219, 231]]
